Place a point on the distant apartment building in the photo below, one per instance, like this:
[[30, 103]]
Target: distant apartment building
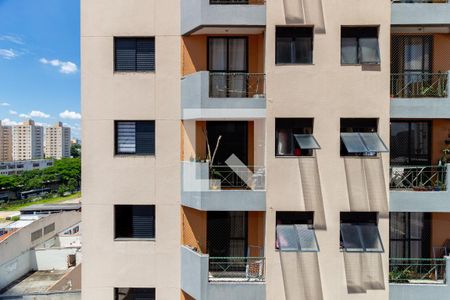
[[5, 142], [57, 141], [259, 172], [27, 141]]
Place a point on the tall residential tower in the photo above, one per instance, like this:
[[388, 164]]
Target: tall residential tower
[[27, 141]]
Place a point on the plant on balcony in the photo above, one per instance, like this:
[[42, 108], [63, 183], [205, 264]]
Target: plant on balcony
[[214, 184]]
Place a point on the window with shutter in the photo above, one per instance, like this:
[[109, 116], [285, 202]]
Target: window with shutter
[[135, 137], [134, 54], [134, 221]]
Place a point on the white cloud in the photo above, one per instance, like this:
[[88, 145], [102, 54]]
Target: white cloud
[[4, 103], [8, 53], [35, 114], [12, 38], [65, 67], [42, 124], [70, 115], [12, 112], [8, 122]]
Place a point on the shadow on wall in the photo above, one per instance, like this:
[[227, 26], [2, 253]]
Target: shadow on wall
[[296, 286], [364, 271], [366, 185], [312, 190], [308, 12]]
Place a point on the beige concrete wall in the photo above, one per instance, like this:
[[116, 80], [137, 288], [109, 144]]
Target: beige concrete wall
[[109, 179], [325, 91], [71, 281]]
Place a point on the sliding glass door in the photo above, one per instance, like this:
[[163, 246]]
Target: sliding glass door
[[228, 66]]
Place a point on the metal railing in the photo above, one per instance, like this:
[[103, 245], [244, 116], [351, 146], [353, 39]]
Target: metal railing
[[417, 270], [236, 85], [419, 85], [418, 178], [237, 2], [237, 268], [419, 1], [237, 177]]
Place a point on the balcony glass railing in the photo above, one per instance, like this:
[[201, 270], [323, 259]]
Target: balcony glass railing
[[237, 177], [236, 85], [418, 178], [419, 85], [237, 268], [417, 270]]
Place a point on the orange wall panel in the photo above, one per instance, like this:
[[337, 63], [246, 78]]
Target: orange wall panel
[[194, 228]]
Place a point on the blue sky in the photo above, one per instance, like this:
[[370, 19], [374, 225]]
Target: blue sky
[[40, 62]]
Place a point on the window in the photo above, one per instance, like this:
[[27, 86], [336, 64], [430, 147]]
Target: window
[[49, 228], [409, 235], [359, 45], [134, 294], [293, 137], [135, 137], [36, 235], [134, 221], [359, 137], [359, 232], [134, 54], [410, 143], [295, 232], [294, 45]]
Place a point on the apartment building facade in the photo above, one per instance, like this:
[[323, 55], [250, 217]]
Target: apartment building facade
[[27, 141], [5, 143], [420, 139], [235, 150], [57, 141]]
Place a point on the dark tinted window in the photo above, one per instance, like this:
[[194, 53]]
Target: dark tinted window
[[135, 137], [293, 137], [134, 54], [294, 45], [134, 294], [359, 45], [134, 221], [410, 143]]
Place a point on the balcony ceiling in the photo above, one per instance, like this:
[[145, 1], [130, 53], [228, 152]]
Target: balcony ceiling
[[227, 30], [421, 29]]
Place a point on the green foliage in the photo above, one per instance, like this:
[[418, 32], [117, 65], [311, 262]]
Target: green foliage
[[75, 150], [66, 171]]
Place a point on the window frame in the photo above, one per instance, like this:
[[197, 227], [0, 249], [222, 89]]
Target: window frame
[[359, 219], [115, 38], [130, 238], [410, 154], [124, 154], [292, 139], [293, 38], [358, 47], [424, 240], [116, 291], [294, 218], [359, 125]]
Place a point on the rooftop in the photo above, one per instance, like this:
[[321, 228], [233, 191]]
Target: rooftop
[[33, 282]]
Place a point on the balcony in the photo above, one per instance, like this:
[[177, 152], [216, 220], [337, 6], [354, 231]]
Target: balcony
[[417, 270], [420, 95], [419, 188], [222, 16], [223, 188], [205, 277], [217, 95], [420, 12]]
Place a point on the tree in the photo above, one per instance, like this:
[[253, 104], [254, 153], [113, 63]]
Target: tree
[[75, 150]]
